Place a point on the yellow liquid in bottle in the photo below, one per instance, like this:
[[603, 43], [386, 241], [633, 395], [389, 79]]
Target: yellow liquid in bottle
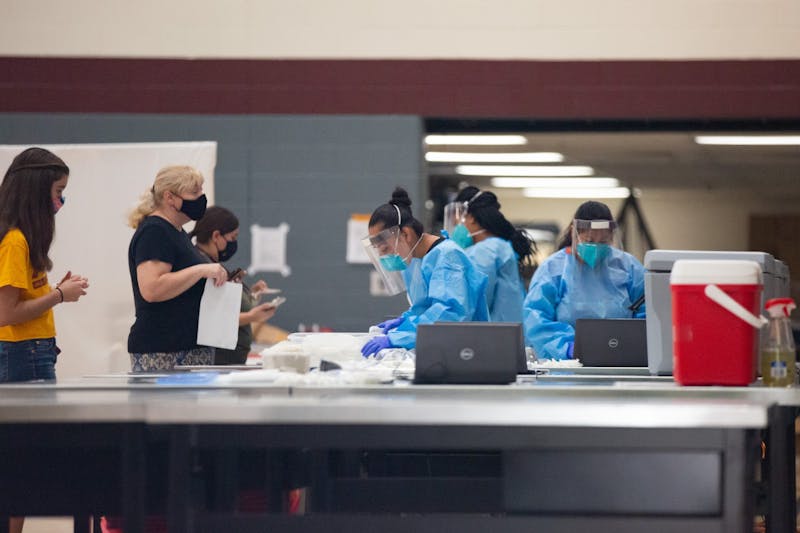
[[778, 368]]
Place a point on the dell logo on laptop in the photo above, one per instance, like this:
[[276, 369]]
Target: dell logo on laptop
[[466, 354], [613, 343]]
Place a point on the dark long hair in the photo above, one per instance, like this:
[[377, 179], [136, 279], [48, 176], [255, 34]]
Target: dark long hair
[[216, 218], [486, 210], [590, 210], [386, 214], [26, 201]]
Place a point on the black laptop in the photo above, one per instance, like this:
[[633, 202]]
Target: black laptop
[[469, 353], [611, 342]]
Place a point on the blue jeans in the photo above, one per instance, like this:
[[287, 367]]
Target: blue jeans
[[28, 360]]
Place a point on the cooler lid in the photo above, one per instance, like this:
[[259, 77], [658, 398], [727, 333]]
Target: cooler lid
[[717, 271], [662, 260]]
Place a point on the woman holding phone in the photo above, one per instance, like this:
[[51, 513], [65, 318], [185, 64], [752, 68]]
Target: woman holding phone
[[217, 236]]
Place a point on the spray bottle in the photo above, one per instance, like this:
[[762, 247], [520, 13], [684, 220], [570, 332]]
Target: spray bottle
[[777, 345]]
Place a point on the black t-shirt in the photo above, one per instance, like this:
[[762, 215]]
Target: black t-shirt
[[169, 326], [439, 241]]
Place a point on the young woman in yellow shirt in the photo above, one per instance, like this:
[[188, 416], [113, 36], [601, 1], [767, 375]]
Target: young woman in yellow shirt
[[30, 195]]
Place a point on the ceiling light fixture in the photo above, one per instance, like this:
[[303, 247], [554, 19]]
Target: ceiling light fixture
[[522, 170], [469, 157], [521, 183], [476, 140], [611, 192], [748, 140]]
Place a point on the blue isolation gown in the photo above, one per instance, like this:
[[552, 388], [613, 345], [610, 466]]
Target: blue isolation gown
[[504, 289], [564, 289], [443, 286]]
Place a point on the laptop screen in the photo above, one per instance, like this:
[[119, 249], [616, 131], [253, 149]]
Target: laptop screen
[[469, 352], [611, 342]]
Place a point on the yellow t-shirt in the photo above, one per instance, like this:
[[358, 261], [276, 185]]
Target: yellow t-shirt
[[16, 270]]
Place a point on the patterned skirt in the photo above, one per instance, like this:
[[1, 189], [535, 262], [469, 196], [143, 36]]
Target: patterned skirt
[[159, 361]]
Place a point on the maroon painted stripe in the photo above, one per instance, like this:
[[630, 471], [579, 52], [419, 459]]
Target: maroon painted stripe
[[767, 89]]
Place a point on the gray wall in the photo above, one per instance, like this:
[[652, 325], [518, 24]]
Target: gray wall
[[311, 172]]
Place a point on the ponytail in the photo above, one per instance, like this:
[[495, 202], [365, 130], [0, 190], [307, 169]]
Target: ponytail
[[485, 208], [176, 179]]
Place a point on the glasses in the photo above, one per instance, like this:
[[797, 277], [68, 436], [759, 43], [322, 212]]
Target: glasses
[[385, 241]]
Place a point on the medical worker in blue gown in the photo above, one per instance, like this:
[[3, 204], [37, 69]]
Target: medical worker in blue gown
[[442, 283], [588, 277], [499, 250]]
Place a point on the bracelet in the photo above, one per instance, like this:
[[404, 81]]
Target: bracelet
[[61, 293]]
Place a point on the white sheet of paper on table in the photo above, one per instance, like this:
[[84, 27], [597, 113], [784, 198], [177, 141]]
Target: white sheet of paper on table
[[218, 324]]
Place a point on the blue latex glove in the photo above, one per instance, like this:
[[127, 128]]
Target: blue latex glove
[[570, 349], [392, 323], [376, 344]]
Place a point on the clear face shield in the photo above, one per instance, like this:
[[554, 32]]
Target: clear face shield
[[454, 214], [382, 251], [592, 240]]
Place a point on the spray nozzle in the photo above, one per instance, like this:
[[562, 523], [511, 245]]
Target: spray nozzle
[[780, 307]]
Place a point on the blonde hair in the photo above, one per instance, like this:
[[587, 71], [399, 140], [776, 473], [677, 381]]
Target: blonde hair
[[175, 179]]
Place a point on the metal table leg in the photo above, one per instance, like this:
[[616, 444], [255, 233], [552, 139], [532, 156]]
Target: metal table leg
[[780, 470]]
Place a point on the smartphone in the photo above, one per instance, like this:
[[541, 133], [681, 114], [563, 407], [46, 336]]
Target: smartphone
[[276, 302]]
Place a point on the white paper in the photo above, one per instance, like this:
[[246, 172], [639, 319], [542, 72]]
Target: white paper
[[357, 229], [218, 324], [268, 249]]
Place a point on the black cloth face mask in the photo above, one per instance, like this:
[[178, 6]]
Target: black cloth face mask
[[230, 249], [194, 209]]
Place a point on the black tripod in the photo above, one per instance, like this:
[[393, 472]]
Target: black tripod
[[632, 204]]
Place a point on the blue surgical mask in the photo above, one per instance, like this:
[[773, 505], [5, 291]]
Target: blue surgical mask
[[593, 253], [462, 237], [392, 262]]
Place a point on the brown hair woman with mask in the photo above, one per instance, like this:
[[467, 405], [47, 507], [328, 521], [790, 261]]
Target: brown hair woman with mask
[[217, 236]]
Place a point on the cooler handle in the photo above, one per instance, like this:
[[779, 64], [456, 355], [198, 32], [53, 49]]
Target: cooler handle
[[718, 296]]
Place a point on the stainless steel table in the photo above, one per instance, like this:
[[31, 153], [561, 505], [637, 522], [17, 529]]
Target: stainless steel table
[[81, 446], [782, 405], [614, 463], [652, 435]]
